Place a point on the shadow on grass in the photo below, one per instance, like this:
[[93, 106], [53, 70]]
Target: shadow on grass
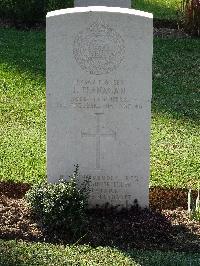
[[160, 258], [176, 78], [22, 51]]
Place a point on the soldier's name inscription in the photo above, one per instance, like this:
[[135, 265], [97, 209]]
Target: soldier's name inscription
[[102, 94]]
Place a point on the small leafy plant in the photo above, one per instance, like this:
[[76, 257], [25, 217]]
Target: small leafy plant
[[194, 207], [191, 16], [60, 206]]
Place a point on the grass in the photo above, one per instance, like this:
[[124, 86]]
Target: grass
[[22, 86], [175, 135], [175, 142], [14, 253], [161, 9]]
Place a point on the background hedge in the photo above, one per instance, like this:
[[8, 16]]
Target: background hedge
[[30, 11]]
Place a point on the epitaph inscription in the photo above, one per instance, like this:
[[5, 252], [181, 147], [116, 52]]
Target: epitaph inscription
[[99, 49], [112, 188]]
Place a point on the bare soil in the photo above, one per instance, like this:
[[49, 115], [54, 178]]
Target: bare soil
[[170, 33], [165, 226]]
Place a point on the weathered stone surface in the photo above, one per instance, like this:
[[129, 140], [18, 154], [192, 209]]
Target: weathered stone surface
[[99, 78], [116, 3]]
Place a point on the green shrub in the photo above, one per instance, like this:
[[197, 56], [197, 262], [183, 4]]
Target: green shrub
[[58, 4], [23, 11], [60, 206], [191, 16], [30, 11]]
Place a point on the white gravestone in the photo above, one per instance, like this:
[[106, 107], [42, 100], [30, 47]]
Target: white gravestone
[[116, 3], [99, 85]]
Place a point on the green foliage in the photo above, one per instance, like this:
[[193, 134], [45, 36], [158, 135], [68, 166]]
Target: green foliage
[[30, 11], [196, 214], [58, 4], [161, 9], [60, 205], [191, 16]]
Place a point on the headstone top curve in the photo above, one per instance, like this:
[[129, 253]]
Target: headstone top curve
[[99, 9]]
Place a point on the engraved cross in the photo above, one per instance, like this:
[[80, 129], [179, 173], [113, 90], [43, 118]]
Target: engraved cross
[[98, 134]]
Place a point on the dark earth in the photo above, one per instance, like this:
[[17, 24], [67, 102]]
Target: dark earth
[[165, 226]]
